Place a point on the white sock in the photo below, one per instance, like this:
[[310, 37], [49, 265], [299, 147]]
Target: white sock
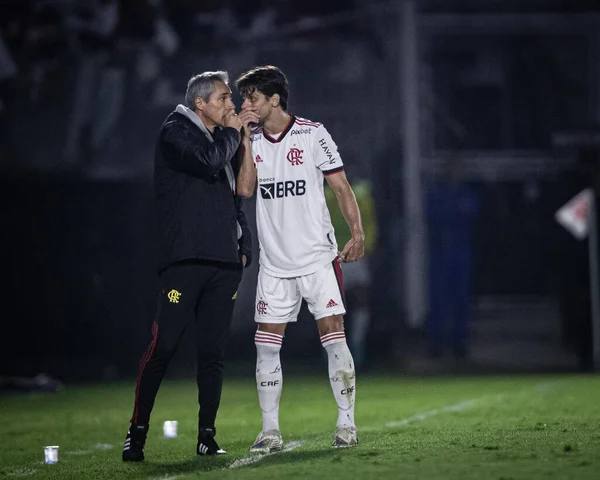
[[269, 379], [341, 376]]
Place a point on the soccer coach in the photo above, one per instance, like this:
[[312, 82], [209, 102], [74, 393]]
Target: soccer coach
[[203, 242]]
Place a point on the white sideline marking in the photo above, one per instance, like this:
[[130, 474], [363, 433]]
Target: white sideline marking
[[243, 462], [457, 407], [98, 446], [104, 446], [419, 417], [78, 452]]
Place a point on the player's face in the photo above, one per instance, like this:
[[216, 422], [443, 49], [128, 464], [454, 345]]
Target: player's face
[[218, 106], [258, 103]]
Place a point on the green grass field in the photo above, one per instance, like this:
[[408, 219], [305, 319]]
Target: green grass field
[[415, 428]]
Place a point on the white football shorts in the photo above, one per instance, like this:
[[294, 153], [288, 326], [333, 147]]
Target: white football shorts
[[278, 300]]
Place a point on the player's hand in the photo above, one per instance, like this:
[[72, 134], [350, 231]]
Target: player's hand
[[232, 120], [244, 259], [248, 117], [354, 249]]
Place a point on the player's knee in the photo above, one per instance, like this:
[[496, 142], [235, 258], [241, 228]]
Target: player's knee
[[331, 324], [275, 328]]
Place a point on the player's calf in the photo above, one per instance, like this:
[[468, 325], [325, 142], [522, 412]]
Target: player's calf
[[342, 377]]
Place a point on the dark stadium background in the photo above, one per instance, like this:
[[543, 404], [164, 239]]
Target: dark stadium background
[[511, 90]]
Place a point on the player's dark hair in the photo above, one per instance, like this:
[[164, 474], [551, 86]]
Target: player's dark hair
[[267, 80]]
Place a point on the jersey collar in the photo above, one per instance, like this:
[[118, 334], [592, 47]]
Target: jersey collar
[[283, 133]]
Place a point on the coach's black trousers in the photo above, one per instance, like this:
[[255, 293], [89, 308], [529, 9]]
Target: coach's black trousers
[[192, 291]]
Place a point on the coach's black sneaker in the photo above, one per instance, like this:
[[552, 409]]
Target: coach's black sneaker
[[133, 451], [207, 444]]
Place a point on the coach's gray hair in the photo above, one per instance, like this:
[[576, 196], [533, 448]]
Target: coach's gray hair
[[202, 85]]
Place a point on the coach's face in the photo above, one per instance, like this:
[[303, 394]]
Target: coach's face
[[218, 106], [260, 104]]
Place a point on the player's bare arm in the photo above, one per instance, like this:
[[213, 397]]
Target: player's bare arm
[[355, 248], [246, 179]]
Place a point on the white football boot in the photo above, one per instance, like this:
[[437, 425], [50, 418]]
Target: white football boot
[[267, 442], [345, 437]]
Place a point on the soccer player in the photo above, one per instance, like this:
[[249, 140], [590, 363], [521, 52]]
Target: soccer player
[[299, 257]]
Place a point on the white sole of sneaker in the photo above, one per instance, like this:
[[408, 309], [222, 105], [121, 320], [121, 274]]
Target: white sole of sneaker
[[266, 450]]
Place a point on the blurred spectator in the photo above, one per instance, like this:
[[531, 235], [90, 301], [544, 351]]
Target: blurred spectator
[[34, 36], [99, 84], [8, 67], [451, 209], [39, 383], [8, 71]]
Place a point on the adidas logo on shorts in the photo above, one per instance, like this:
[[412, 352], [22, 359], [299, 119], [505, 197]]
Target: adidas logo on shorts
[[331, 303]]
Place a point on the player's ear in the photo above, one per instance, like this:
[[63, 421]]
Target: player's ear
[[199, 103], [275, 100]]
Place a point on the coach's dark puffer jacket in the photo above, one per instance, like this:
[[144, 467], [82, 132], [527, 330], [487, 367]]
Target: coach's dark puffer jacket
[[197, 211]]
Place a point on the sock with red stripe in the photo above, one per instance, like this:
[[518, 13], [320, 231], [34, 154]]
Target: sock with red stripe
[[341, 375], [269, 378]]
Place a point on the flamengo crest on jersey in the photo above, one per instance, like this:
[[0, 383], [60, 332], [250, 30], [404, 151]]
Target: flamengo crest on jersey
[[294, 227]]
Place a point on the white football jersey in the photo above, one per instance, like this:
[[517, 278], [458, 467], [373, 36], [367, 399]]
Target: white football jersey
[[295, 233]]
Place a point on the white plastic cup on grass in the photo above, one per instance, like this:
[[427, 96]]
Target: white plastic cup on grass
[[51, 454], [170, 429]]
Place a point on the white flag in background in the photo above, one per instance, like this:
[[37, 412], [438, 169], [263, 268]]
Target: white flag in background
[[575, 214]]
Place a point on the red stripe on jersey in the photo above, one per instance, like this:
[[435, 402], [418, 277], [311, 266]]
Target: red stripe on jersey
[[303, 121], [335, 170]]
